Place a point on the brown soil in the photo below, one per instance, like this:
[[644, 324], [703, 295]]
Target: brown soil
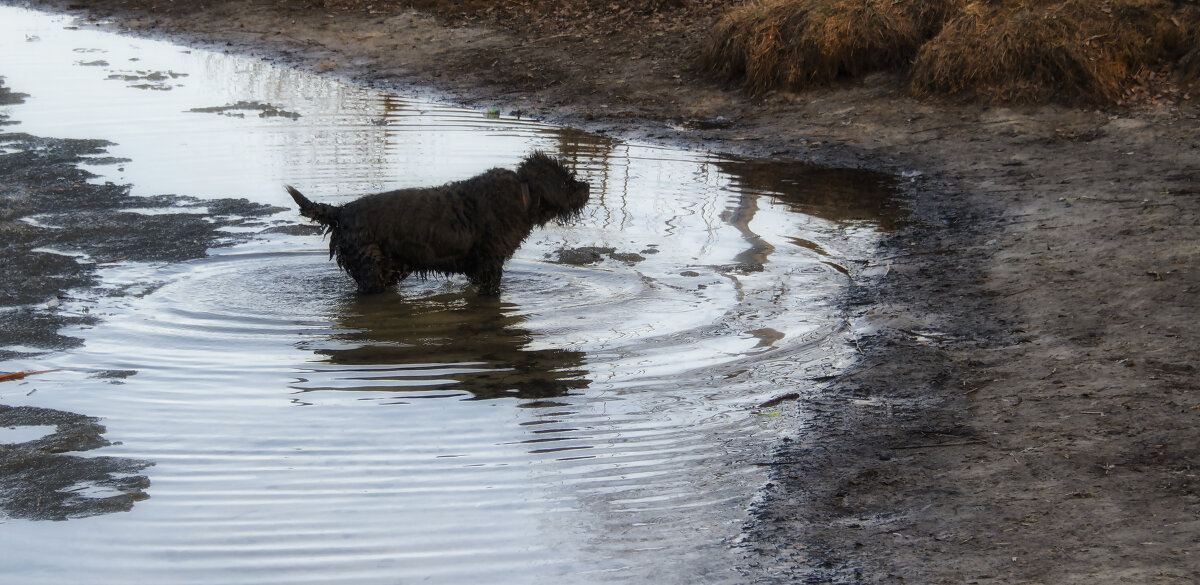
[[1026, 409]]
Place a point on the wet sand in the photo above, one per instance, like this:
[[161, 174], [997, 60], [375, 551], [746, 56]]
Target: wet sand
[[1025, 407]]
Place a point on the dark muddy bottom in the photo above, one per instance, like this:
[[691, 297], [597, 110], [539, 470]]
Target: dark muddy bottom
[[41, 480], [599, 422]]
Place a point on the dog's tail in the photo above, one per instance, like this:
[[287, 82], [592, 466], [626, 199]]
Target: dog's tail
[[323, 213]]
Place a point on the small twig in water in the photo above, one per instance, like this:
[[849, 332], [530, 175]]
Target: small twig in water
[[18, 375]]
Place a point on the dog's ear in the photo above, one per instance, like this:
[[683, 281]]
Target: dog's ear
[[536, 165]]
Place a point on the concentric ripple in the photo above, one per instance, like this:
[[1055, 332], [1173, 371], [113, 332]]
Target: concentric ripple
[[597, 423]]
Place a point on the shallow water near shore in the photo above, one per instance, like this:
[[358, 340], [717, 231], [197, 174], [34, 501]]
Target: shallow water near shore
[[599, 422]]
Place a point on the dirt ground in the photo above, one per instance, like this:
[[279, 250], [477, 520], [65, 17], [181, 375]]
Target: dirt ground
[[1026, 409]]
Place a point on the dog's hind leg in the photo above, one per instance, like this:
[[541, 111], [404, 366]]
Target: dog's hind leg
[[372, 281], [368, 271]]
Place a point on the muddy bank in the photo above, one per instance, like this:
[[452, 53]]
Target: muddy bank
[[41, 480], [1026, 405], [57, 229]]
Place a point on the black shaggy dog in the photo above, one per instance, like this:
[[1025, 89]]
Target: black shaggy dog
[[467, 227]]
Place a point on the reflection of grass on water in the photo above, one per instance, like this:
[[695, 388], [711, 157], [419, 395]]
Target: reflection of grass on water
[[842, 195]]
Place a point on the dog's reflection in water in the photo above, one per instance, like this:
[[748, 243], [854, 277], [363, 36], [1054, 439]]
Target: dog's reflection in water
[[475, 341]]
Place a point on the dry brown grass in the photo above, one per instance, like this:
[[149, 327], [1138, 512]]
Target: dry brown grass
[[1095, 52], [797, 44], [1079, 51], [1087, 52]]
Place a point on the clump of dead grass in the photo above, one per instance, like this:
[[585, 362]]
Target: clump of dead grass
[[1078, 51], [797, 44], [1095, 52]]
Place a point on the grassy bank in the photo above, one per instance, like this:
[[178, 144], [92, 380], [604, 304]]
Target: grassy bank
[[1087, 52], [1079, 52]]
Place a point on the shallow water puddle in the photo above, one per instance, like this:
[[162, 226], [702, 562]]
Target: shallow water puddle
[[597, 423]]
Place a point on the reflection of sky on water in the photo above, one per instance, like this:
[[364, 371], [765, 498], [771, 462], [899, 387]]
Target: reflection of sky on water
[[593, 425], [346, 140]]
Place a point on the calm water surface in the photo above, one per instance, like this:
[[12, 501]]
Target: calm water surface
[[597, 423]]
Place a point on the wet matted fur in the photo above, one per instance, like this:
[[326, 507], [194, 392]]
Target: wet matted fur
[[466, 227]]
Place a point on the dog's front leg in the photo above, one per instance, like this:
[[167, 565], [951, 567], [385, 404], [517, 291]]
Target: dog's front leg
[[487, 278], [399, 275]]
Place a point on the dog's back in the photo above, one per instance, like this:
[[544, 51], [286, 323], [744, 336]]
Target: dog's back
[[444, 229]]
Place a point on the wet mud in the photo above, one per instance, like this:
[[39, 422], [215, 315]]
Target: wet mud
[[41, 479], [57, 226], [240, 109], [592, 254]]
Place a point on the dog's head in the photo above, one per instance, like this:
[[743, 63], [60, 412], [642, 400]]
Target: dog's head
[[554, 192]]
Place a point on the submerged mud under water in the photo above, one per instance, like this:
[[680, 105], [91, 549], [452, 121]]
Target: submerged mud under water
[[41, 480], [597, 423]]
